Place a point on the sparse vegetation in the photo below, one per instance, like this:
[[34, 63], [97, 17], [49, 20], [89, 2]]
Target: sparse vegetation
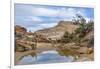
[[79, 33], [67, 37], [33, 46], [91, 42], [73, 43], [19, 48]]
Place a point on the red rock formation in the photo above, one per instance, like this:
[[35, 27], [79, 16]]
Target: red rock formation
[[20, 30]]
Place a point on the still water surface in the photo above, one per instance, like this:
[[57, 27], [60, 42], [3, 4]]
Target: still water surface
[[51, 56]]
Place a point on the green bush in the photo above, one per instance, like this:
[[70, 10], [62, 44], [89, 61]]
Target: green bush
[[67, 37], [19, 48], [33, 46], [91, 42]]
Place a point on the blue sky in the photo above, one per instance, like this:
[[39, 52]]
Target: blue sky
[[36, 17]]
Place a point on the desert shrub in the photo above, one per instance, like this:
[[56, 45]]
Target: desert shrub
[[91, 42], [77, 40], [80, 32], [67, 37], [65, 40], [84, 27], [72, 35], [19, 48], [78, 19], [90, 26], [77, 30], [28, 38], [18, 35], [33, 46]]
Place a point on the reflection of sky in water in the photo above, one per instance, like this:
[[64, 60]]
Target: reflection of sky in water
[[27, 60], [46, 57]]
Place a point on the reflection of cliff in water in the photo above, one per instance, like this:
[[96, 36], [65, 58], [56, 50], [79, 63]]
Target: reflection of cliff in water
[[51, 56]]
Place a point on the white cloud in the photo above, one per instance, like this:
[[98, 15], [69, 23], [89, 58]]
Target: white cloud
[[32, 18], [63, 13], [67, 12], [44, 12], [36, 19]]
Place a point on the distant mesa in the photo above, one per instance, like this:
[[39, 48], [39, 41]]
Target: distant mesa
[[58, 31], [55, 32]]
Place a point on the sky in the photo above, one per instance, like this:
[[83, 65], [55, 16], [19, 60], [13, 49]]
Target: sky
[[36, 17]]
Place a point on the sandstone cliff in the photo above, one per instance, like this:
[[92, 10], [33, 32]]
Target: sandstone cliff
[[58, 31]]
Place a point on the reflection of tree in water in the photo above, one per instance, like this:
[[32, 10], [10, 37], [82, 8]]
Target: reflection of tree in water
[[32, 54], [67, 52]]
